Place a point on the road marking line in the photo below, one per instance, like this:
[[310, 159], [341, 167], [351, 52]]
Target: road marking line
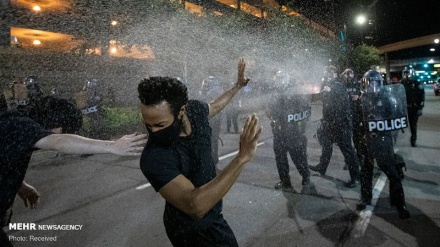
[[365, 215], [143, 186], [220, 158]]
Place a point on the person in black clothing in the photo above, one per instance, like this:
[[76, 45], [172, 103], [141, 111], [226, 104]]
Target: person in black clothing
[[289, 114], [336, 126], [177, 159], [415, 98], [21, 136], [379, 104], [354, 92], [30, 100]]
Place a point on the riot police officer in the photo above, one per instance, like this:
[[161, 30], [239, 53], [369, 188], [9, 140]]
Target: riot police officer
[[415, 97], [354, 91], [289, 115], [382, 111], [210, 90], [336, 126], [89, 101]]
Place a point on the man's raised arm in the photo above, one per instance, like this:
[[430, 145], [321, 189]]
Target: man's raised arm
[[220, 103]]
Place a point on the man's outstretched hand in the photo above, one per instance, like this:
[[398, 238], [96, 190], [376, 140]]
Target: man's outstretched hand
[[241, 80], [130, 145], [249, 138]]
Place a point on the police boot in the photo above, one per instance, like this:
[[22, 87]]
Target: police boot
[[352, 184], [362, 204], [284, 186], [413, 142], [403, 212], [317, 168]]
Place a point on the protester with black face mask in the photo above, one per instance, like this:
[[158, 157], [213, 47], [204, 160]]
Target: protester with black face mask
[[166, 136], [178, 163]]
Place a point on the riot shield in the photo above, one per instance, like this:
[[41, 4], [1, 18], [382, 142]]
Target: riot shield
[[300, 109], [385, 110]]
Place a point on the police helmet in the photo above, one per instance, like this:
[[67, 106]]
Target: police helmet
[[348, 74], [209, 84], [281, 80], [33, 85], [330, 73], [92, 84], [372, 82], [407, 72]]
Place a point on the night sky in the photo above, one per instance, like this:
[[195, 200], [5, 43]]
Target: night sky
[[394, 20]]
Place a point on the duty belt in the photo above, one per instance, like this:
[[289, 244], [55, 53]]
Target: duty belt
[[89, 110]]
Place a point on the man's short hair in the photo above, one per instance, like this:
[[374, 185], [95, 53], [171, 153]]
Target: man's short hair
[[155, 90]]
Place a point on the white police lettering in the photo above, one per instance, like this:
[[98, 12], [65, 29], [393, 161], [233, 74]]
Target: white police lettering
[[298, 116], [387, 125], [89, 110]]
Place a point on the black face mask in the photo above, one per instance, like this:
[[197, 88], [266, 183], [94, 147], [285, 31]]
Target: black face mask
[[166, 136]]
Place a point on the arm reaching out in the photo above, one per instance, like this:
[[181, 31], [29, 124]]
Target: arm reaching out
[[220, 103], [196, 202], [128, 145]]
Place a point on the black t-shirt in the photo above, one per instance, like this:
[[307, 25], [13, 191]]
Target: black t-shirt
[[191, 157], [18, 134]]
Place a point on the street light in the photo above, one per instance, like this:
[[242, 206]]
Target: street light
[[361, 19]]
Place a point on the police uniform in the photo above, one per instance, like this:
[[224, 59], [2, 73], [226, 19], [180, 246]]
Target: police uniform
[[88, 100], [381, 115], [415, 97], [337, 128], [354, 89], [289, 115]]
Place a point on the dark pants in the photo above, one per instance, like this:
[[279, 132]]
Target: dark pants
[[342, 137], [232, 119], [380, 148], [357, 141], [413, 118], [297, 148], [218, 234]]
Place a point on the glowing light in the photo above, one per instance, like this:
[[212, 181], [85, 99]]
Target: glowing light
[[436, 41], [361, 19], [431, 61], [114, 23], [36, 42], [36, 8], [114, 50], [432, 49]]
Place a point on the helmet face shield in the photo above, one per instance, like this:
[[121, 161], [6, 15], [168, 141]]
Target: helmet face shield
[[281, 80], [372, 82]]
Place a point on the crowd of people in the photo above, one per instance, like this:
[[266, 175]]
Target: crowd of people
[[180, 155]]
